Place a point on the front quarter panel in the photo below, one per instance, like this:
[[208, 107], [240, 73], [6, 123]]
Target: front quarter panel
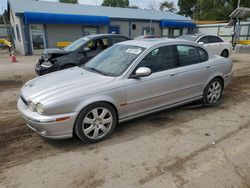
[[114, 94]]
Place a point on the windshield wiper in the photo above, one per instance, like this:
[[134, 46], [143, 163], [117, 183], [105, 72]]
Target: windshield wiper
[[96, 70]]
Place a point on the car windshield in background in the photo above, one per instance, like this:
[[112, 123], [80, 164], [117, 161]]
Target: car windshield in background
[[192, 38], [115, 60], [76, 44]]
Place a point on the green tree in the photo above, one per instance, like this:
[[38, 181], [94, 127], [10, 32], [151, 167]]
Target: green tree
[[168, 6], [116, 3], [69, 1], [209, 9], [187, 7]]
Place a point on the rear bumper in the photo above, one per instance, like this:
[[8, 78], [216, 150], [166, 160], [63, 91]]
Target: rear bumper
[[228, 78], [47, 126]]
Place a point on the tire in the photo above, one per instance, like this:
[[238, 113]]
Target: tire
[[213, 92], [224, 53], [96, 122]]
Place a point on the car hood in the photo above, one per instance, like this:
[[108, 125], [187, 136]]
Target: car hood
[[64, 85], [52, 53]]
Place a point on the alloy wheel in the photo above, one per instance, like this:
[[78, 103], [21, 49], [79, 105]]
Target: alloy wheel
[[97, 123], [214, 92]]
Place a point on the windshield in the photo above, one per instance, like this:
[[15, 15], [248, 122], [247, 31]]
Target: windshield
[[189, 37], [115, 60], [76, 44]]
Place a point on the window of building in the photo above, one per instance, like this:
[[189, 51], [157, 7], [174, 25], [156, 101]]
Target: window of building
[[18, 32], [148, 31], [185, 31], [159, 59], [37, 37], [176, 33], [165, 32], [90, 30], [114, 29]]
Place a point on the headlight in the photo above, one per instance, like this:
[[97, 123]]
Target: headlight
[[47, 64], [32, 106], [39, 108]]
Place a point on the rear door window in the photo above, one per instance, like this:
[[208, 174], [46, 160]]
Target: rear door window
[[189, 55], [203, 55], [214, 39], [204, 40]]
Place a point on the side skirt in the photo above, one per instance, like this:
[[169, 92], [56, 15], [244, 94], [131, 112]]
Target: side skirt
[[159, 109]]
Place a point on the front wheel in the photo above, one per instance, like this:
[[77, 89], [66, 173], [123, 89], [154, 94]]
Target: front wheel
[[96, 122], [213, 92]]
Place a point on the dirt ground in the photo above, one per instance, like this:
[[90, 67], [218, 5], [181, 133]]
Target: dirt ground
[[189, 146]]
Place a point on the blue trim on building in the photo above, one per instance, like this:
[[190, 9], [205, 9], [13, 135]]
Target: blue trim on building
[[175, 23], [50, 18]]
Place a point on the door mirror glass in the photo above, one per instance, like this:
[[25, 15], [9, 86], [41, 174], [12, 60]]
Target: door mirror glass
[[142, 72], [201, 43]]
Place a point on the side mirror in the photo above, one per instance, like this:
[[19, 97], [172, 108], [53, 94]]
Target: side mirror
[[142, 72], [86, 49], [201, 43]]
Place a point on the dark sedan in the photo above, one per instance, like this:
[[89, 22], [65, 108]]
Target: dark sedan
[[77, 53]]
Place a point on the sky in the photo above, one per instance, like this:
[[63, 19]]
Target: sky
[[140, 3]]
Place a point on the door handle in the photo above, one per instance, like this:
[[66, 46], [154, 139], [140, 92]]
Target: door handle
[[173, 74], [208, 66]]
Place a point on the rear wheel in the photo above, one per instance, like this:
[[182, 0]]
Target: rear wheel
[[96, 122], [213, 92], [224, 54]]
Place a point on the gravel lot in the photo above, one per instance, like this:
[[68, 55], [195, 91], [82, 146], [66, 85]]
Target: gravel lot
[[189, 146]]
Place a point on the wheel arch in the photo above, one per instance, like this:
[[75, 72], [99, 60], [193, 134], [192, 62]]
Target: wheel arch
[[224, 51], [213, 77], [93, 102]]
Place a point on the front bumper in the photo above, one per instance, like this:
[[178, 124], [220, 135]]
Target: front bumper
[[44, 70], [47, 126]]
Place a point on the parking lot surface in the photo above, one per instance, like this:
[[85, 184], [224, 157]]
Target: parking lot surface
[[189, 146]]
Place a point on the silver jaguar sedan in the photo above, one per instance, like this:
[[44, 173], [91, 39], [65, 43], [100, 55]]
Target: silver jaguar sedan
[[128, 80]]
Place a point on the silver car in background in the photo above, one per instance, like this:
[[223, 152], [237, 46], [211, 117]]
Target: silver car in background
[[129, 80]]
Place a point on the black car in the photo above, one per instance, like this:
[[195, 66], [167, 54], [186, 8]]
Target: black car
[[77, 53]]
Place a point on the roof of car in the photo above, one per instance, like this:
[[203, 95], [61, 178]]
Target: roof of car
[[148, 43]]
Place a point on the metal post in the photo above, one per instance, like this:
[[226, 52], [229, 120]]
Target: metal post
[[238, 4]]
